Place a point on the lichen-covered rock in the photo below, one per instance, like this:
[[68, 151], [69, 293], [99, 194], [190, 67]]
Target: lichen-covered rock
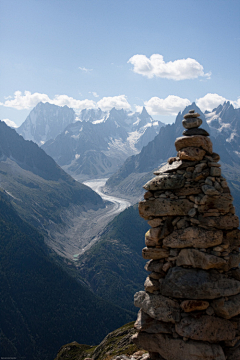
[[199, 259], [177, 349], [165, 182], [164, 207], [157, 306], [206, 328], [195, 237], [198, 284]]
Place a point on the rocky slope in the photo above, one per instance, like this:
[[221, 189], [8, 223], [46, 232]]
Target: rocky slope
[[41, 192]]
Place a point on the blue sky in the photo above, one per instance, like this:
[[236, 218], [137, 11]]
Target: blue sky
[[163, 54]]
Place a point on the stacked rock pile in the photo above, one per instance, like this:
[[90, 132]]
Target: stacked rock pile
[[189, 309]]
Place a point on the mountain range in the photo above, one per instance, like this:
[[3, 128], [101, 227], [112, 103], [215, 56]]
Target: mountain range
[[92, 144]]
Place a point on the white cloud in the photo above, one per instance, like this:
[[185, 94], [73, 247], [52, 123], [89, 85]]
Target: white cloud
[[10, 123], [119, 102], [62, 100], [28, 101], [237, 103], [210, 101], [171, 105], [95, 94], [85, 69], [176, 70]]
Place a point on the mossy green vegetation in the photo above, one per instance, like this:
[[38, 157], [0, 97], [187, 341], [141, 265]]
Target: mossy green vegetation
[[115, 343]]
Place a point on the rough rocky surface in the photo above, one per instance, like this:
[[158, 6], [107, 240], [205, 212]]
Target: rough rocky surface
[[191, 304], [157, 306], [206, 328], [177, 349]]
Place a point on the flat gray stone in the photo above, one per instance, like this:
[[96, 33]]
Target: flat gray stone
[[206, 328], [164, 207], [197, 284], [175, 165], [199, 259], [227, 308], [147, 324], [190, 114], [165, 182], [192, 122], [195, 131], [178, 349], [158, 307], [193, 237]]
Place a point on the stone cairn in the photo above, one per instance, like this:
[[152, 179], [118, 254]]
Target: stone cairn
[[191, 304]]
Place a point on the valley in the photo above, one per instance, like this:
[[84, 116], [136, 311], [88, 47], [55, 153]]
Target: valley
[[85, 227]]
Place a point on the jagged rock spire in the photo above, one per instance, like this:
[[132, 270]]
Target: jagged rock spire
[[191, 304]]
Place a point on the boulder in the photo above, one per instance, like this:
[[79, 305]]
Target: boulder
[[226, 222], [145, 323], [206, 328], [194, 305], [199, 259], [191, 153], [165, 182], [197, 141], [164, 207], [157, 306], [151, 285], [198, 284], [154, 253], [222, 203], [227, 308], [195, 237], [178, 349]]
